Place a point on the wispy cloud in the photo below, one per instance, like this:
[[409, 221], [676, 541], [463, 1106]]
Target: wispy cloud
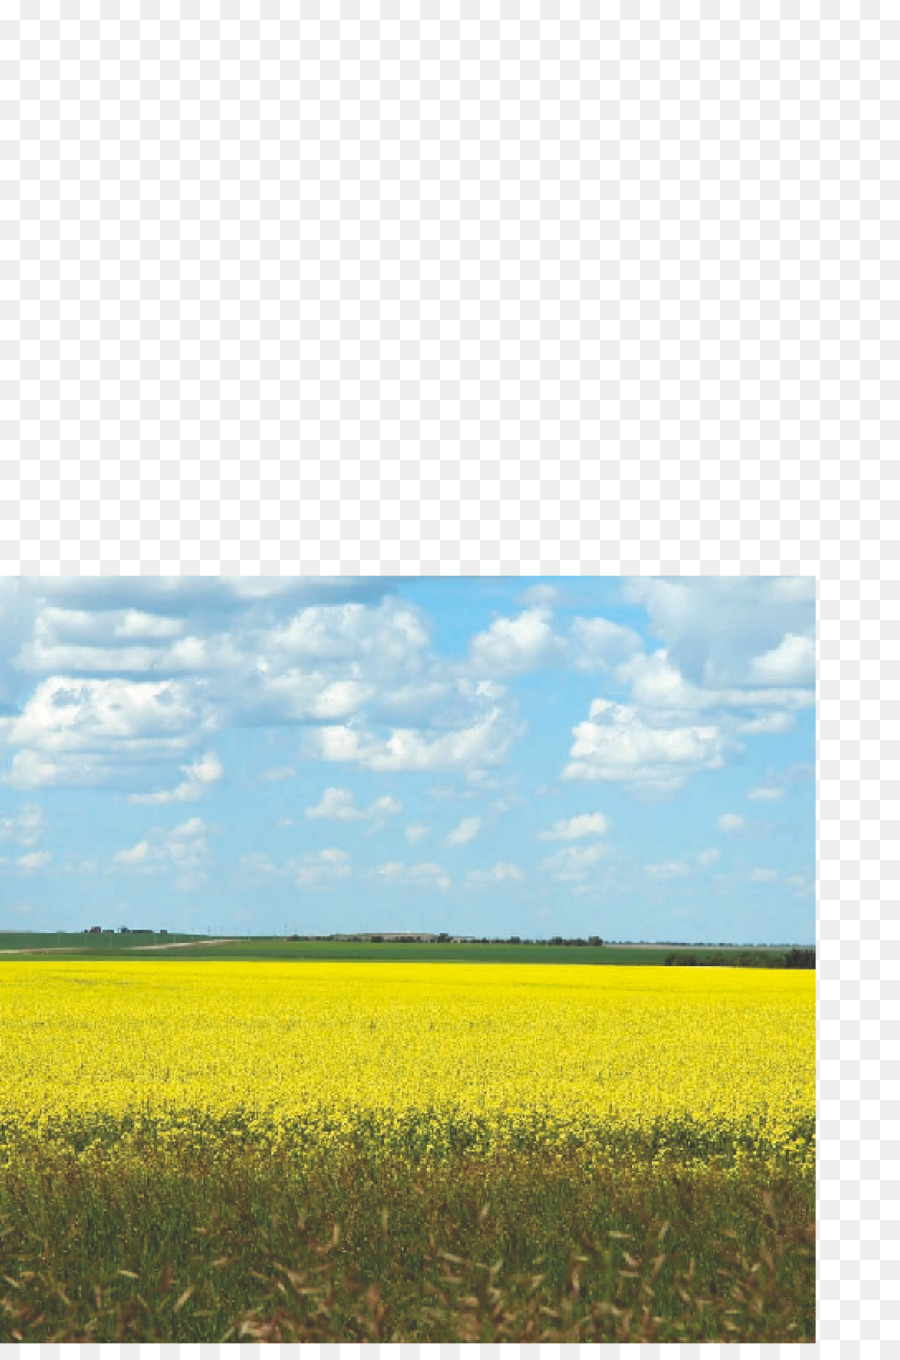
[[340, 805], [318, 869], [399, 875], [502, 874], [181, 850], [26, 828], [324, 866], [574, 863], [586, 824], [279, 773], [257, 862], [35, 859], [671, 868], [765, 724], [767, 794], [541, 596]]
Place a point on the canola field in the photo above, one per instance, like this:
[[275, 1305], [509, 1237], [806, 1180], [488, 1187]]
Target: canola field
[[408, 1059]]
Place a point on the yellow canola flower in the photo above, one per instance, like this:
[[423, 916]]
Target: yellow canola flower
[[415, 1059]]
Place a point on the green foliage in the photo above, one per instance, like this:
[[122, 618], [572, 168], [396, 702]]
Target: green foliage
[[745, 958], [362, 1250]]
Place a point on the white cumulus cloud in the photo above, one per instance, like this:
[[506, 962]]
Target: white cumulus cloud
[[77, 715], [714, 627], [136, 855], [660, 689], [80, 733], [468, 828], [512, 646], [731, 821], [194, 826], [303, 696], [115, 683], [199, 778], [792, 662], [484, 743], [764, 794], [616, 744], [391, 634], [598, 644]]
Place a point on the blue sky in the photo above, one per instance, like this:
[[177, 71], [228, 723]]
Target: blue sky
[[625, 757]]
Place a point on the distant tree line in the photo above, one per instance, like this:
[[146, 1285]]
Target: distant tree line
[[735, 957], [444, 938], [592, 940], [747, 958]]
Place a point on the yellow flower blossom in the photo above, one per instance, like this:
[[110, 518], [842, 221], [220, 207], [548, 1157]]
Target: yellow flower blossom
[[411, 1058]]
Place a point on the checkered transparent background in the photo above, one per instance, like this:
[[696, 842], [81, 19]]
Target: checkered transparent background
[[351, 291]]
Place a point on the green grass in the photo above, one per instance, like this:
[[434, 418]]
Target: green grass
[[246, 1248], [79, 946]]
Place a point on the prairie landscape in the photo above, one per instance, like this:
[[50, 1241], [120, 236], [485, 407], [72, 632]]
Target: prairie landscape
[[407, 958], [354, 1150]]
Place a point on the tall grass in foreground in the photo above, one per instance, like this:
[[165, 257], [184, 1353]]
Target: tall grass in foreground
[[174, 1247]]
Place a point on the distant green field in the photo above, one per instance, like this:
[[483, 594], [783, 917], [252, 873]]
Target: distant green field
[[87, 946], [79, 946]]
